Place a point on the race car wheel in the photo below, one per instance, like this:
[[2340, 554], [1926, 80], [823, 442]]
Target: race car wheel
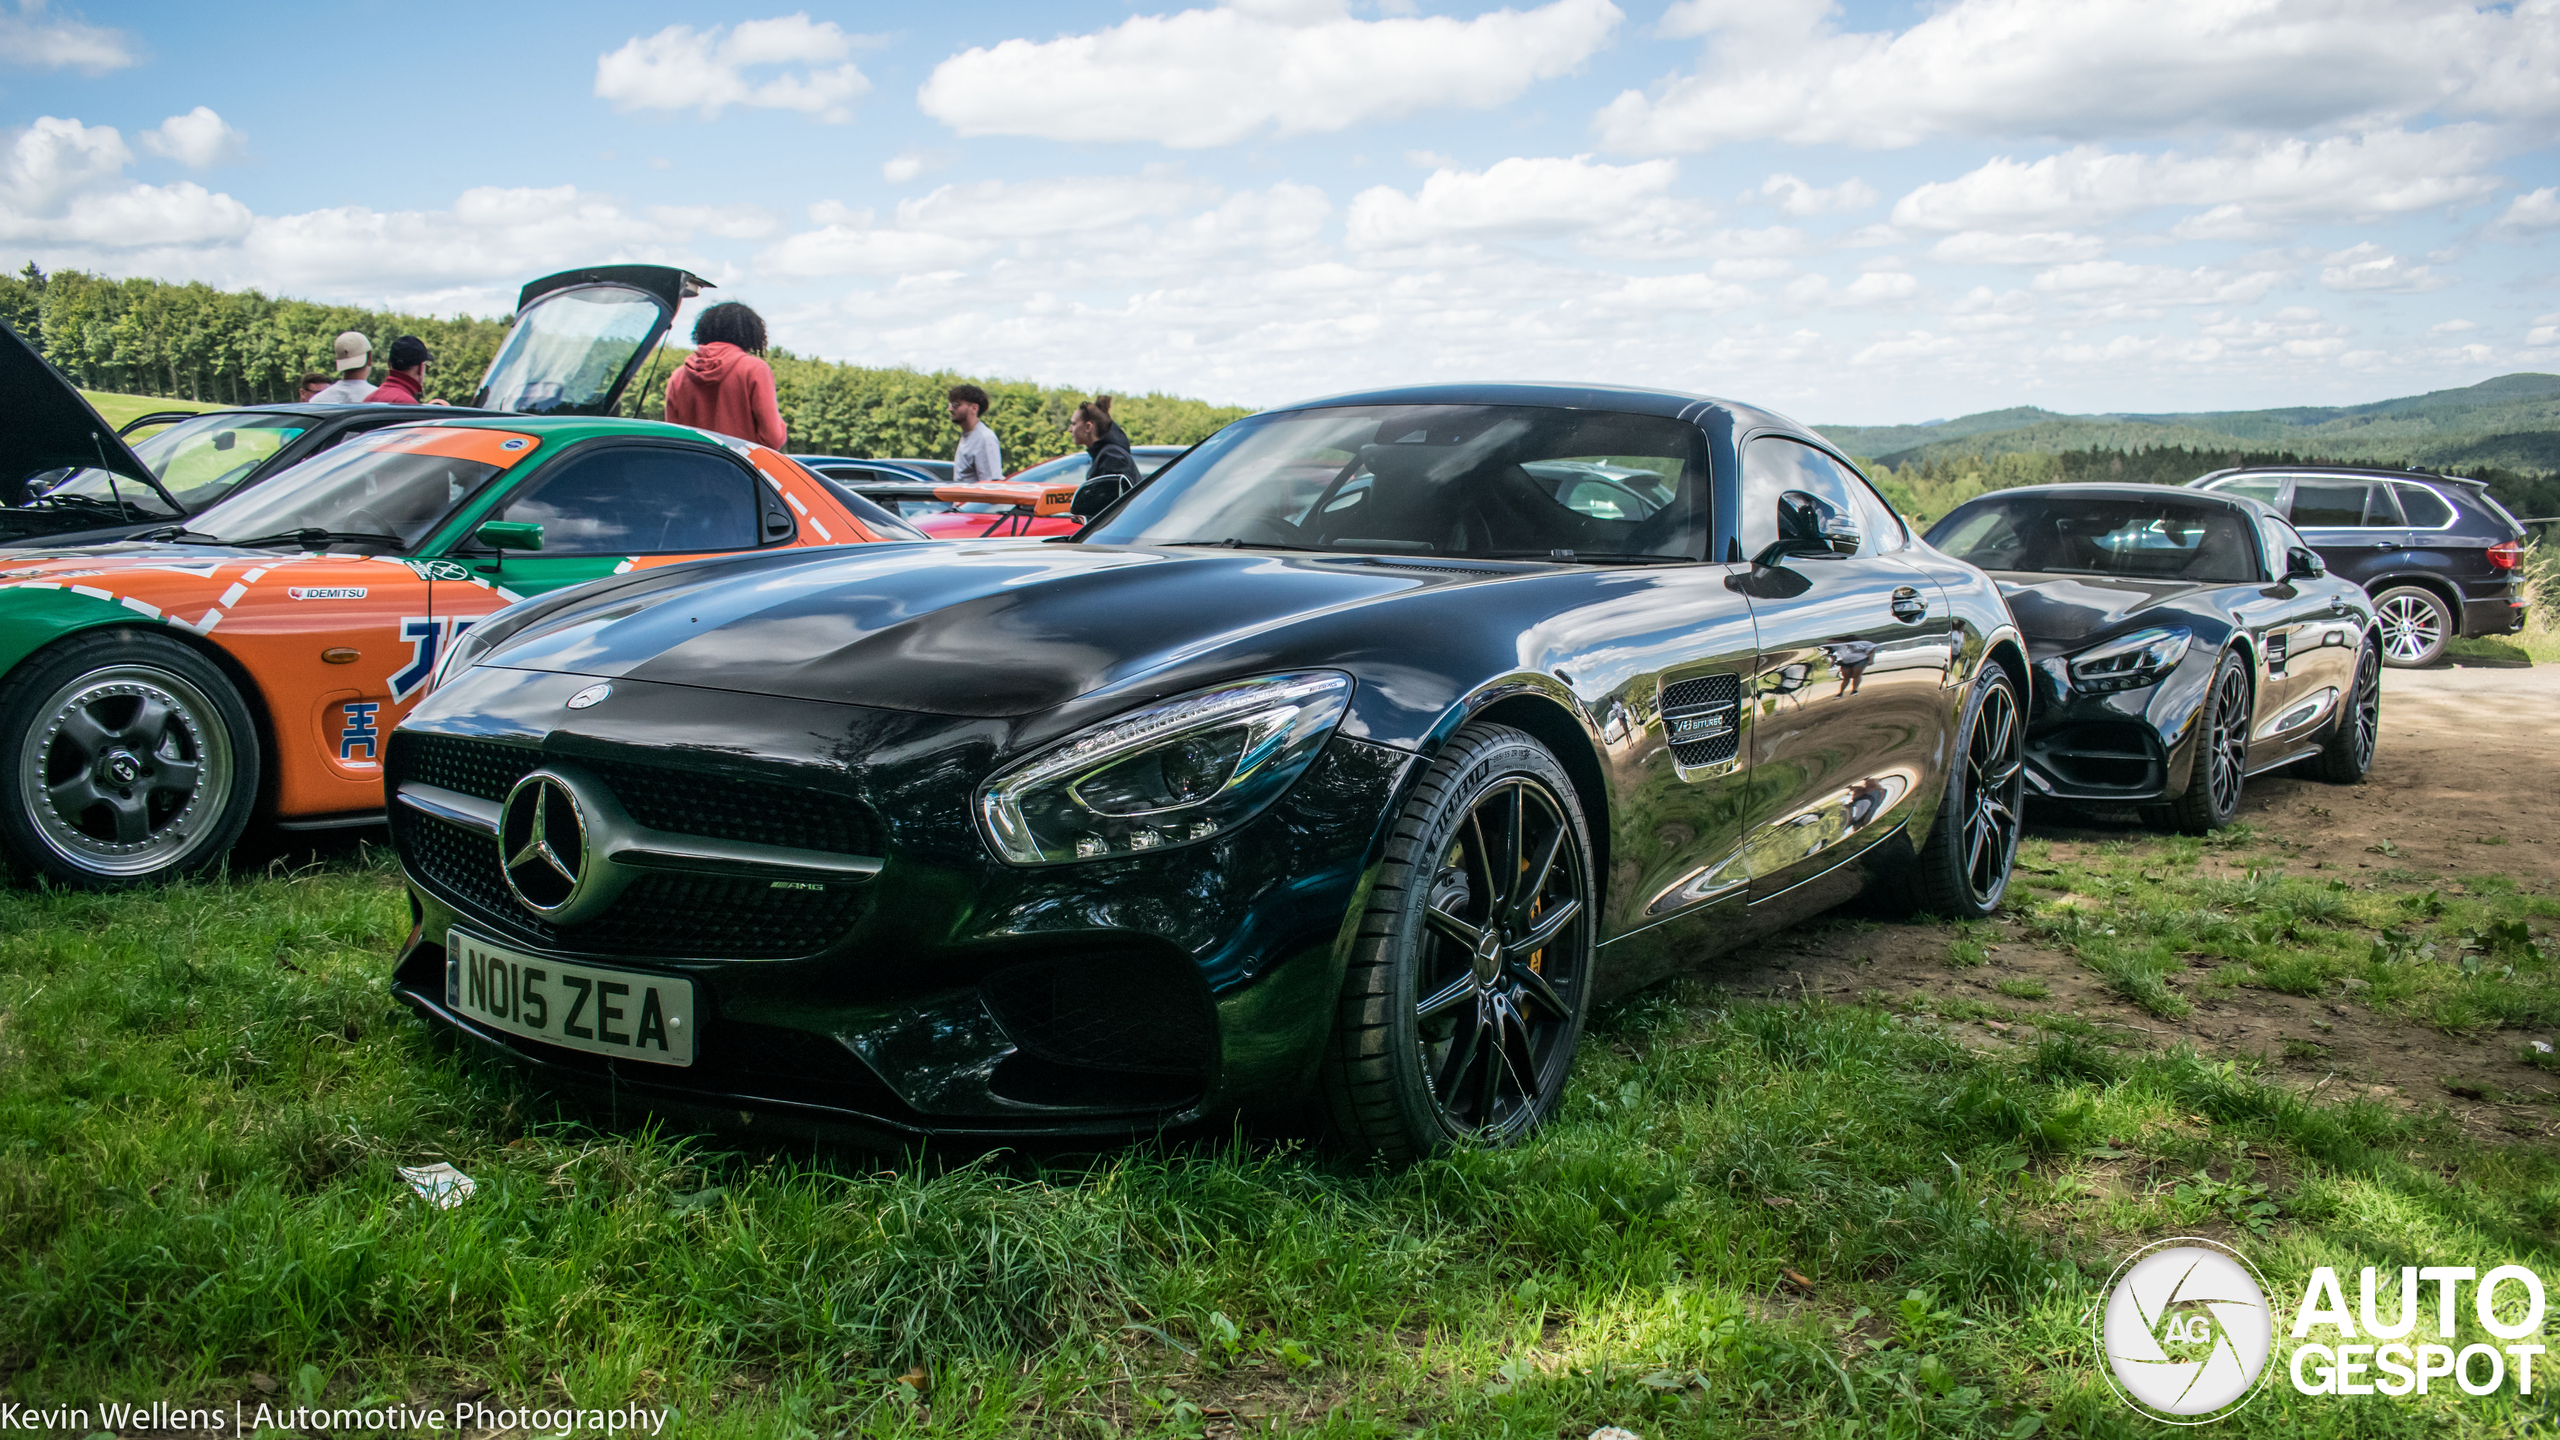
[[1963, 870], [2416, 626], [131, 759], [2221, 762], [1470, 978], [2348, 757]]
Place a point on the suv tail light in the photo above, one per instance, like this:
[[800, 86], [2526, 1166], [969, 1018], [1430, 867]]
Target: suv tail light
[[2504, 554]]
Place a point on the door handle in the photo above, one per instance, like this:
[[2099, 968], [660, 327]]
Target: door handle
[[2337, 604], [2384, 545], [1907, 604]]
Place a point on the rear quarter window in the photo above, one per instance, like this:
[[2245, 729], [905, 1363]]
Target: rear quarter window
[[2424, 507]]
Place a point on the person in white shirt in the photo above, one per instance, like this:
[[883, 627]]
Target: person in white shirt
[[979, 457], [355, 363]]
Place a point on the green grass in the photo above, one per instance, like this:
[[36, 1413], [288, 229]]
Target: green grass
[[1749, 1219], [118, 410]]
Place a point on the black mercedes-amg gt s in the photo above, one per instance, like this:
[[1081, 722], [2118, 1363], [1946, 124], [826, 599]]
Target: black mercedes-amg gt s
[[1353, 755]]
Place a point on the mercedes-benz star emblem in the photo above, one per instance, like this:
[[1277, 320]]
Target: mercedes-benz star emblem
[[589, 696], [543, 835]]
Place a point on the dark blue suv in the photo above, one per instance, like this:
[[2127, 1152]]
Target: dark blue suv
[[2435, 552]]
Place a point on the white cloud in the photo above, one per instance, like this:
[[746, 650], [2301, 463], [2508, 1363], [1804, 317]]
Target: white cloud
[[2225, 222], [1898, 345], [2453, 327], [2535, 213], [2369, 267], [682, 68], [2387, 173], [1515, 197], [1800, 199], [53, 159], [906, 165], [2545, 331], [2121, 283], [30, 40], [1211, 77], [2083, 69], [728, 222], [2043, 247], [1031, 209], [860, 249], [198, 139]]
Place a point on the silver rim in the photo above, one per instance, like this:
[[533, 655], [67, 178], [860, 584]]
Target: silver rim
[[2227, 761], [126, 770], [2367, 718], [1994, 782], [2412, 627]]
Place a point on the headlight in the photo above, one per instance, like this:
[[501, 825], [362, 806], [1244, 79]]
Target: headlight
[[2129, 662], [1175, 773], [473, 639]]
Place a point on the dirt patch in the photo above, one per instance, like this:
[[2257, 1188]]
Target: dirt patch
[[2463, 784]]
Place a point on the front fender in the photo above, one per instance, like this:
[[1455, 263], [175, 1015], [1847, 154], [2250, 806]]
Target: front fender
[[36, 613]]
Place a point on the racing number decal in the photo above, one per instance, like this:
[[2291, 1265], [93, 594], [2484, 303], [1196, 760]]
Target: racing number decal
[[427, 636], [359, 729]]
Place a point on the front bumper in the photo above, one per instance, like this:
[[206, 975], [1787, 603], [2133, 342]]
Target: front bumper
[[2128, 747], [949, 994]]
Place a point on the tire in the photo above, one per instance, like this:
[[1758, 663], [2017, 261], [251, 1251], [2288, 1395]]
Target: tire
[[2416, 626], [2220, 768], [131, 759], [1963, 870], [1464, 998], [2348, 757]]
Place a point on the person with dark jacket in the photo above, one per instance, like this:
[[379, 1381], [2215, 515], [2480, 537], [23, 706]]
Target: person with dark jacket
[[726, 386], [1113, 471], [408, 378]]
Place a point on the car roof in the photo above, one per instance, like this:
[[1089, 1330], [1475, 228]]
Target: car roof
[[1623, 399], [2361, 472], [572, 427], [2100, 491]]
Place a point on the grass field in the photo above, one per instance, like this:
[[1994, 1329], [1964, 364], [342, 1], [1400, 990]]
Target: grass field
[[1753, 1217]]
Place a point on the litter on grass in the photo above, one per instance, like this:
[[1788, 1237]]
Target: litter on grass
[[439, 1184]]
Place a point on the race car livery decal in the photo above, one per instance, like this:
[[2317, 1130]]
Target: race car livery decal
[[360, 729], [427, 636], [325, 592]]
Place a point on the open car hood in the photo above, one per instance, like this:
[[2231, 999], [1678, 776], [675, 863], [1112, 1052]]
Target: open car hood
[[581, 335], [51, 426]]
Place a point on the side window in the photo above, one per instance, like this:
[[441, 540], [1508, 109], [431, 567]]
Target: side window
[[2281, 539], [641, 500], [2254, 487], [1772, 466], [2338, 504], [2425, 508]]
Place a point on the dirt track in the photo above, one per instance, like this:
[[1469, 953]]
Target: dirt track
[[2466, 757]]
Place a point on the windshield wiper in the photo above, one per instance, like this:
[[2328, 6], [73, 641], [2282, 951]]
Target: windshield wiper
[[313, 539], [1231, 543], [1589, 557]]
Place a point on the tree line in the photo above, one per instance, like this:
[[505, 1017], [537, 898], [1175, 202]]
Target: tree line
[[242, 347]]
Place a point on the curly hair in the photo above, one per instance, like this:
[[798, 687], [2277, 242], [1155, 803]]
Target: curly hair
[[730, 323], [971, 394]]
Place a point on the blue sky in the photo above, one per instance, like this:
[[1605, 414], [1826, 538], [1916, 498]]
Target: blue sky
[[1858, 213]]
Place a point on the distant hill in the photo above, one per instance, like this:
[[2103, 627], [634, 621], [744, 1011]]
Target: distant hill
[[2509, 423]]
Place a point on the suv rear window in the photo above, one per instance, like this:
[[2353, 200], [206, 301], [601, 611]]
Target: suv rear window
[[2424, 507]]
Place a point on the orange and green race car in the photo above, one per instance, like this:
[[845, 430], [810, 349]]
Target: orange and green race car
[[156, 694]]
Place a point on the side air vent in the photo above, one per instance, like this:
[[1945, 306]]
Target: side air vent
[[1702, 719]]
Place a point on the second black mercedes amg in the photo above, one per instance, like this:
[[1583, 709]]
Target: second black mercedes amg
[[2183, 641], [1357, 752]]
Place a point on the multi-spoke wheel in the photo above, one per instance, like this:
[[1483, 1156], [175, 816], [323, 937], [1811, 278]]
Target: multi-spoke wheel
[[2221, 764], [131, 759], [2416, 626], [1465, 996], [2348, 756], [1963, 870]]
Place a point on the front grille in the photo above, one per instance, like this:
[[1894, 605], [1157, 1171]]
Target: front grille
[[661, 914], [1711, 707], [1109, 1012], [2105, 755]]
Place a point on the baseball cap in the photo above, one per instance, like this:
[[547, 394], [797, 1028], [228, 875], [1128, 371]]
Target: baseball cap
[[409, 350], [354, 350]]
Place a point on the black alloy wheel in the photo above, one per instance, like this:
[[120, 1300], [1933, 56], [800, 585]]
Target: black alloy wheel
[[1464, 999], [131, 759], [2221, 765], [2348, 756], [2416, 626], [1963, 870]]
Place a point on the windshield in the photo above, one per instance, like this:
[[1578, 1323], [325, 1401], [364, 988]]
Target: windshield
[[567, 351], [395, 485], [1486, 480], [2082, 535], [198, 460]]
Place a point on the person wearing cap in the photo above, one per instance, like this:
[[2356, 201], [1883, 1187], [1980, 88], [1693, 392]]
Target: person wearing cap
[[408, 377], [354, 365]]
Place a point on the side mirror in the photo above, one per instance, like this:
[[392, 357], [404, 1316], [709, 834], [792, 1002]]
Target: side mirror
[[225, 439], [1810, 525], [2303, 564], [509, 535]]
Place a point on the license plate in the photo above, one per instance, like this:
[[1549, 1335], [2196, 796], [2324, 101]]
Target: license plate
[[584, 1007]]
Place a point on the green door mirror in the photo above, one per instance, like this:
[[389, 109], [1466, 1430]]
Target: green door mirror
[[509, 535]]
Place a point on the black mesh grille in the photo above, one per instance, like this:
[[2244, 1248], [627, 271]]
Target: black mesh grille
[[1108, 1012], [681, 801], [1697, 706], [472, 767], [704, 917]]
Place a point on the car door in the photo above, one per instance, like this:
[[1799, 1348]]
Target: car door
[[1848, 702], [2310, 641], [607, 505]]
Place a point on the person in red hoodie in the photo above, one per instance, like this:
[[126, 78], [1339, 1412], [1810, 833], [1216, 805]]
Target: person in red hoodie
[[726, 386]]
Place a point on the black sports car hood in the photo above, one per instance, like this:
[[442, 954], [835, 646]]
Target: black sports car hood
[[996, 630], [51, 424], [2059, 610]]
